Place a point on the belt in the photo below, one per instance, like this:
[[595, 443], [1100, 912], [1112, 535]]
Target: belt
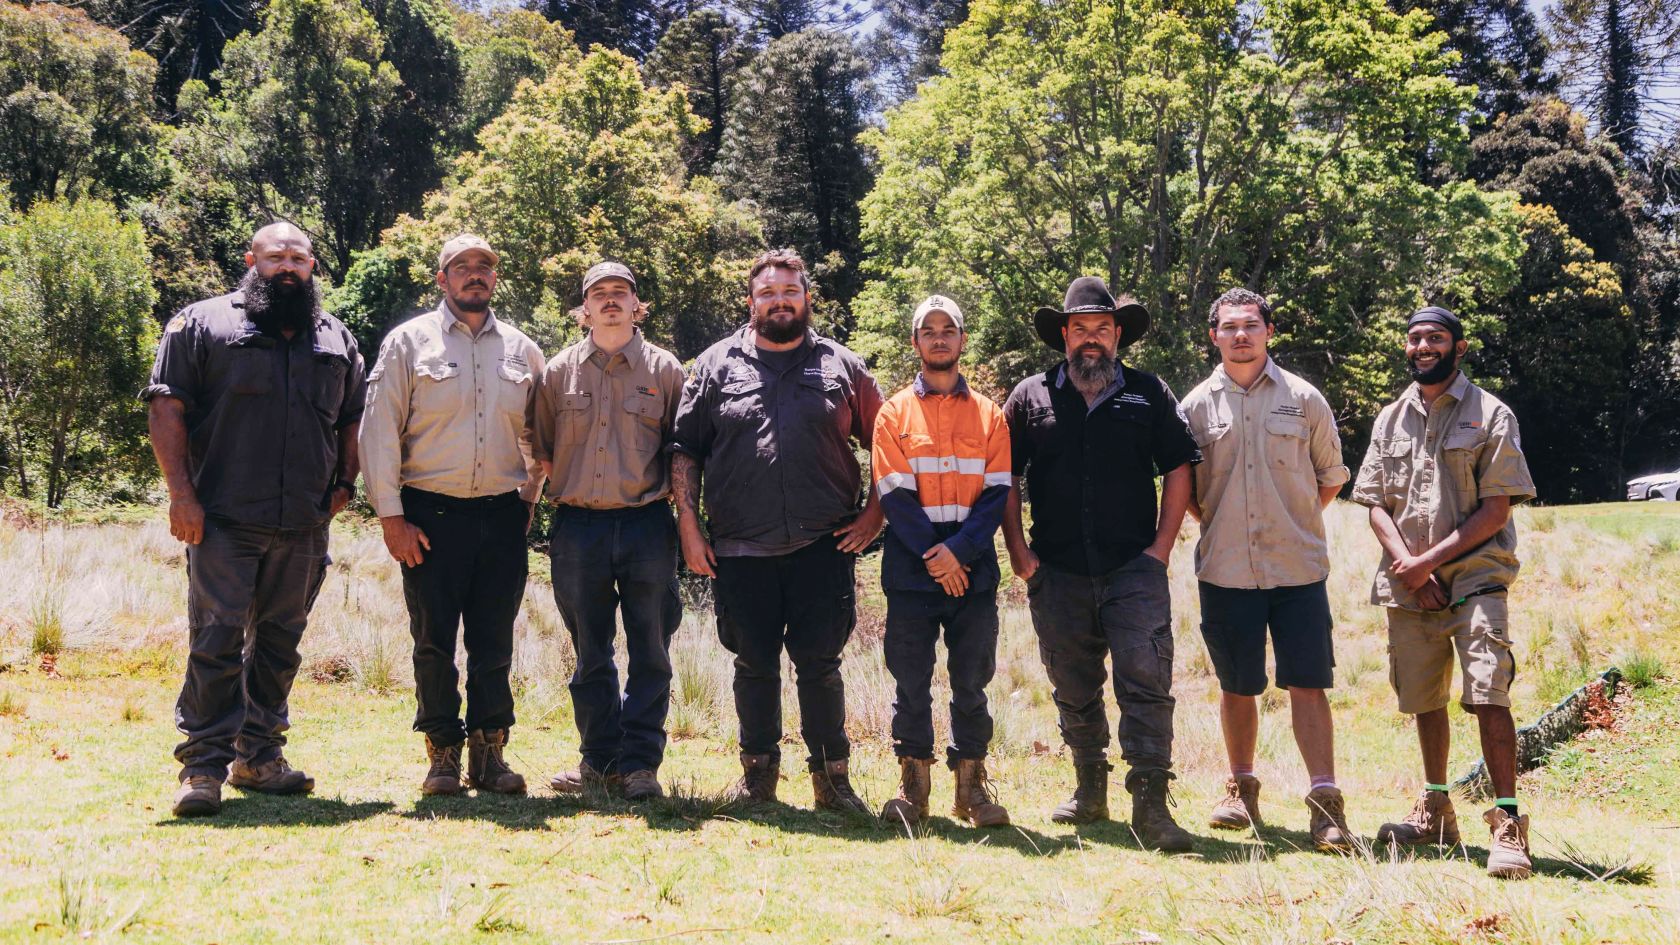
[[660, 505], [1494, 589], [456, 503]]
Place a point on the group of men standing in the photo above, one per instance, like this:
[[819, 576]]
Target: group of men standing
[[262, 418]]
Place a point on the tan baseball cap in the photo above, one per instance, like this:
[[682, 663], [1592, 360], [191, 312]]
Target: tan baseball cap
[[936, 303], [464, 243], [607, 270]]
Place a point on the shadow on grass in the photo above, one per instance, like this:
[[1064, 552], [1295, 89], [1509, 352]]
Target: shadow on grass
[[1119, 833], [263, 810], [512, 811]]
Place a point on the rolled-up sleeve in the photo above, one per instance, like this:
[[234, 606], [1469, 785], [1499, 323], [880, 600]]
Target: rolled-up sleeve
[[383, 423], [867, 404], [532, 490], [1368, 488], [691, 429], [1173, 444], [355, 385], [1020, 443], [178, 369], [1325, 446], [1502, 469]]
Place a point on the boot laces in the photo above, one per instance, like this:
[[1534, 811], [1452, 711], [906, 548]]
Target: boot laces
[[1506, 834], [1419, 817]]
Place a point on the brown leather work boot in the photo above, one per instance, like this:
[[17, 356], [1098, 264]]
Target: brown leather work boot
[[759, 774], [486, 771], [1151, 820], [1432, 820], [1239, 809], [444, 776], [915, 783], [1508, 846], [199, 795], [1329, 820], [642, 784], [831, 789], [975, 802], [1089, 802], [270, 777], [584, 779]]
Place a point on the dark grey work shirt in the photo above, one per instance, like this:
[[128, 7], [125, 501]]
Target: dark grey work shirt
[[263, 414], [775, 440]]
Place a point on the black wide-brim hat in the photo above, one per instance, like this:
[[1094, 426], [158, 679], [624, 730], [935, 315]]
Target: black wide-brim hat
[[1089, 295]]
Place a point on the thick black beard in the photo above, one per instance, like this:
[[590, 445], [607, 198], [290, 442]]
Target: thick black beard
[[1442, 370], [779, 333], [1092, 375], [275, 305]]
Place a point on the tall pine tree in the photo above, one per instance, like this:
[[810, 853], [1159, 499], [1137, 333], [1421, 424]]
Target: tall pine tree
[[702, 51]]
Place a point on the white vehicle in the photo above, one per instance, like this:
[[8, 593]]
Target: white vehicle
[[1656, 486]]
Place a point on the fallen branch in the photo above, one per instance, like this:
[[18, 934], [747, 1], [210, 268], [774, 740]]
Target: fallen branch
[[1577, 711]]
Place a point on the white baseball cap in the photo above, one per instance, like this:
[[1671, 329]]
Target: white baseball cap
[[936, 303]]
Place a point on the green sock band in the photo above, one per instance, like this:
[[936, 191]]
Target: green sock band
[[1436, 787], [1504, 802]]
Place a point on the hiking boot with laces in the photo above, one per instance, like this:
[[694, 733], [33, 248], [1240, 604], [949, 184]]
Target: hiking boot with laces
[[1508, 845], [486, 769], [1432, 820], [915, 783], [759, 774], [444, 775], [1329, 819], [831, 789], [199, 795], [1151, 820], [584, 779], [975, 802], [1239, 809], [641, 784], [1089, 802], [270, 777]]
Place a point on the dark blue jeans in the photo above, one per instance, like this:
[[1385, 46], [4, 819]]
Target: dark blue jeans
[[604, 560], [1082, 622], [970, 623], [248, 596]]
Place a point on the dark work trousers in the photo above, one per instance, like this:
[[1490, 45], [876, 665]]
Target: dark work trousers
[[473, 581], [1125, 615], [602, 560], [914, 621], [248, 595], [803, 600]]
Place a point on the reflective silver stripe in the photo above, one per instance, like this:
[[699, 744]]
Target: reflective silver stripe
[[997, 479], [942, 464], [946, 513], [892, 481]]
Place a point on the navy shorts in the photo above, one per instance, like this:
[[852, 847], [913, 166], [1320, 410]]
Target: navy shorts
[[1234, 624]]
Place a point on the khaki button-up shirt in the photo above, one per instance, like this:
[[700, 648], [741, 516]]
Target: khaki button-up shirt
[[1430, 468], [446, 412], [1266, 451], [604, 421]]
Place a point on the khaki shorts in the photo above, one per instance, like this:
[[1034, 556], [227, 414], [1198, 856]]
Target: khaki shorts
[[1421, 646]]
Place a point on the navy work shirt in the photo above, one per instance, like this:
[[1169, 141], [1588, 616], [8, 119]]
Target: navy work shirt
[[1091, 470], [774, 440], [262, 413]]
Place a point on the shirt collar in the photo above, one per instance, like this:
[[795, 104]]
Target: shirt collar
[[1456, 390], [450, 319], [1222, 380], [744, 342], [633, 350], [1114, 387], [921, 388]]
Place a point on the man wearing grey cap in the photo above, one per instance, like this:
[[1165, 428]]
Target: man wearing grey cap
[[600, 423], [1444, 468], [448, 466]]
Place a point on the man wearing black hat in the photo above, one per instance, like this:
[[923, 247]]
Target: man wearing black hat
[[1444, 467], [1090, 436]]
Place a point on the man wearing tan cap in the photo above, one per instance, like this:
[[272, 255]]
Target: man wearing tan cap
[[602, 419], [448, 467]]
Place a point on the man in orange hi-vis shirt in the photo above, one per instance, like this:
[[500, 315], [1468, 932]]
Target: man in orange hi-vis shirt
[[941, 465]]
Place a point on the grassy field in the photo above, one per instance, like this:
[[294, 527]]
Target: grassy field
[[88, 850]]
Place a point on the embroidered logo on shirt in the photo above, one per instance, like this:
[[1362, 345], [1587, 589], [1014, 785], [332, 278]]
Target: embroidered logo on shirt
[[1134, 399], [1469, 424], [646, 391], [1288, 410], [517, 359]]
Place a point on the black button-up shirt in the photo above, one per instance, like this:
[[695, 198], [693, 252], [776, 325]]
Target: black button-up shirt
[[1091, 470], [262, 413], [774, 437]]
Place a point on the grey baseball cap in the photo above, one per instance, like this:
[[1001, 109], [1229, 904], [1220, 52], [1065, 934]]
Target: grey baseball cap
[[466, 242], [607, 270], [936, 303]]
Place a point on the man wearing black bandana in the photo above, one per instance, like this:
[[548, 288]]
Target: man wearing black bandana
[[255, 399], [1443, 471]]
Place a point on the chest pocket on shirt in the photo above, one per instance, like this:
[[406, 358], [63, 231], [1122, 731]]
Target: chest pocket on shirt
[[250, 371], [437, 387], [573, 418], [1219, 449], [1396, 454], [741, 399], [1459, 452], [330, 368], [513, 389], [822, 391], [1286, 445], [645, 435]]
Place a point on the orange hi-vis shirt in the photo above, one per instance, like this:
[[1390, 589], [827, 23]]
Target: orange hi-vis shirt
[[941, 466]]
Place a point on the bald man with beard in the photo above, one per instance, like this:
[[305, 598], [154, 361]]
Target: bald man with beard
[[254, 404]]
